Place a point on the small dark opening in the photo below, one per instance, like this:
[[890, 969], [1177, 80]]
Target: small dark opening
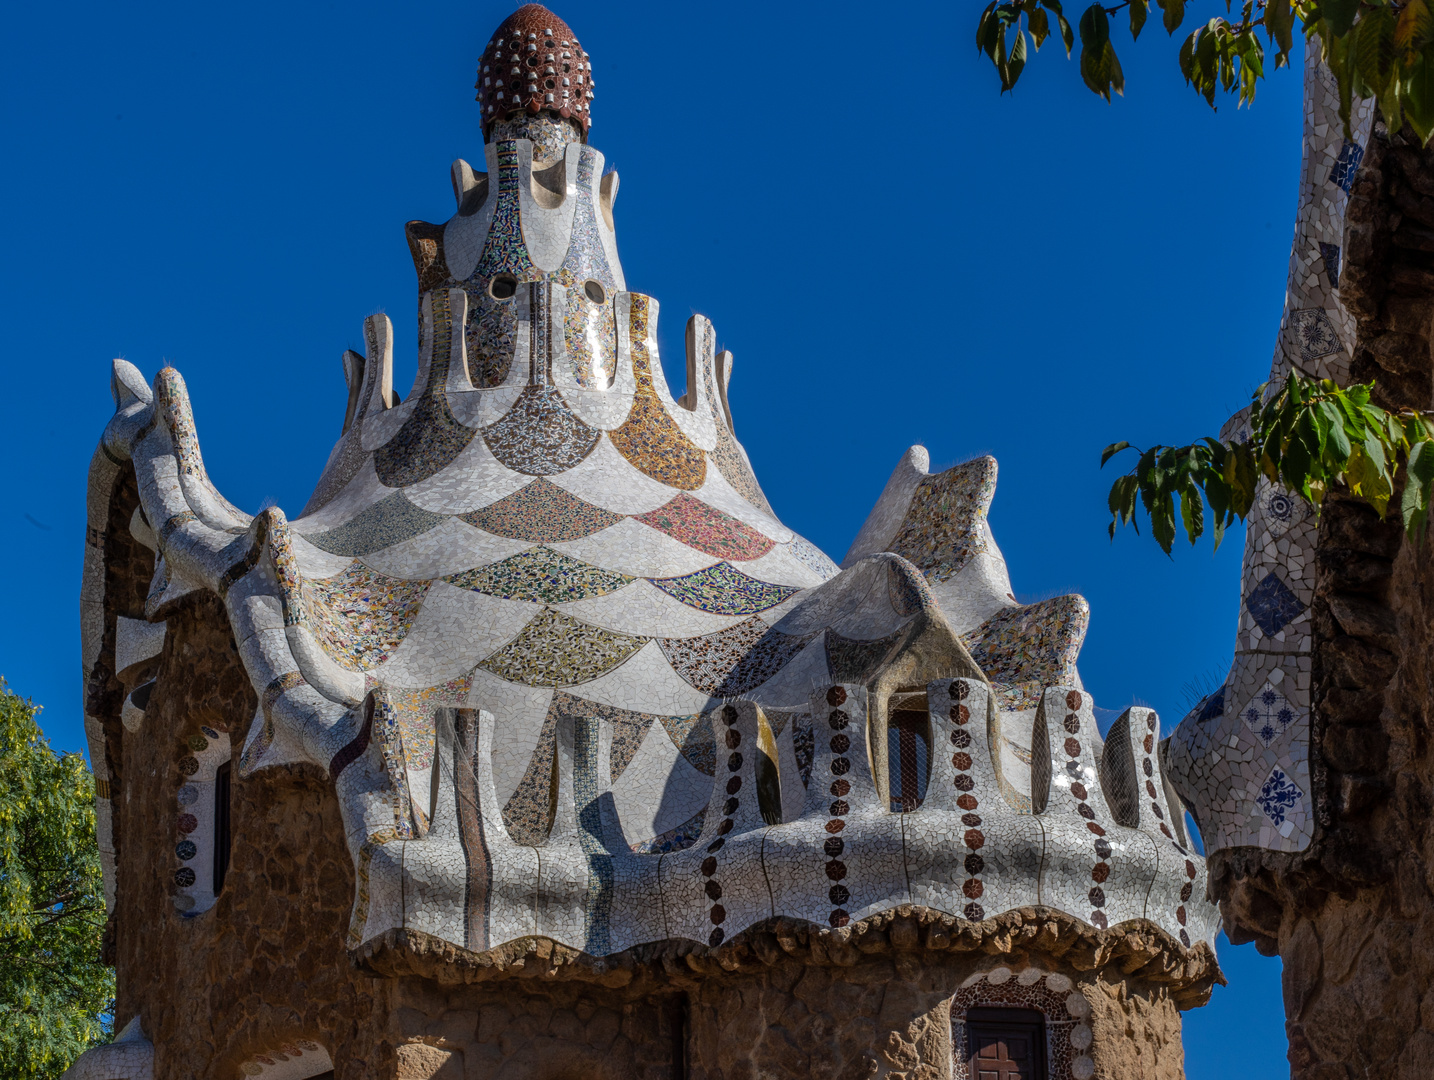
[[678, 1020], [908, 757], [1006, 1044], [595, 292], [221, 826], [503, 287]]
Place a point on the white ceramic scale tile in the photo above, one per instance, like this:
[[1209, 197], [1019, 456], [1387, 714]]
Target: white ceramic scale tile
[[644, 682], [643, 610], [606, 479], [473, 480], [454, 630], [632, 548], [658, 790], [449, 548]]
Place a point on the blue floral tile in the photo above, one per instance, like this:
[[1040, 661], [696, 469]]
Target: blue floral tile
[[1278, 796], [1269, 715], [1273, 604]]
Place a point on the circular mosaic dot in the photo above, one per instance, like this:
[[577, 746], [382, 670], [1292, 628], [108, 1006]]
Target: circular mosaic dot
[[1155, 809], [1180, 915], [971, 820], [252, 1068], [730, 807], [1073, 748], [960, 690], [838, 894], [1058, 984], [292, 1050], [836, 870], [185, 850], [709, 866], [734, 739], [839, 808], [836, 695], [184, 902], [998, 976], [840, 766], [1103, 848], [209, 732], [839, 788], [734, 785], [838, 720], [1189, 869], [724, 828], [713, 890], [1096, 896], [1085, 811], [734, 762], [1150, 789], [1093, 827], [716, 845], [839, 917], [1100, 871], [1185, 892], [975, 839], [974, 912], [715, 938], [729, 715], [1184, 939], [1150, 721], [835, 825], [1029, 977], [187, 823], [1072, 723], [974, 864], [1082, 1068], [1097, 918], [1149, 743], [184, 877], [1081, 1037], [973, 888], [1166, 830], [963, 782], [1073, 700], [960, 739], [961, 714], [305, 1044], [967, 802], [188, 795], [1149, 769], [834, 846], [1079, 791], [718, 913], [961, 760], [198, 743], [840, 744], [188, 766]]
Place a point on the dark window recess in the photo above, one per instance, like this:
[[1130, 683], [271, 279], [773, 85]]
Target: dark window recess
[[221, 826], [908, 746], [1006, 1044], [676, 1017]]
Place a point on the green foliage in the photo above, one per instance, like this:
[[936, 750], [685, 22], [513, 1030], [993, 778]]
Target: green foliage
[[1310, 436], [1380, 49], [54, 990]]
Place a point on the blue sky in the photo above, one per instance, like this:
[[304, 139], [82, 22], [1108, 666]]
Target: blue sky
[[894, 253]]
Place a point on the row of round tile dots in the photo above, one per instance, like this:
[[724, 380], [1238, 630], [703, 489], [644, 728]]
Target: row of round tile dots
[[1148, 767], [840, 743], [713, 887], [975, 839], [185, 849], [1101, 870], [256, 1065], [521, 85]]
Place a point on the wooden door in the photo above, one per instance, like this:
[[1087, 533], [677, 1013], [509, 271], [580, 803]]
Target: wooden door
[[1006, 1044]]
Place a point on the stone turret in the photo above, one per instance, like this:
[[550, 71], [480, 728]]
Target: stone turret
[[601, 746]]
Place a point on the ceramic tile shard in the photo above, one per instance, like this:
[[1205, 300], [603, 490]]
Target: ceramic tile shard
[[383, 524], [542, 513], [649, 438], [540, 435], [541, 575], [852, 660], [1023, 649], [723, 590], [733, 661], [707, 529], [557, 650], [944, 524], [360, 617], [431, 437]]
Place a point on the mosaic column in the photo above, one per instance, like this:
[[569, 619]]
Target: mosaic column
[[1241, 757]]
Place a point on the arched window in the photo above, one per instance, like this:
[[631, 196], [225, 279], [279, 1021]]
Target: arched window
[[1017, 1025], [908, 751]]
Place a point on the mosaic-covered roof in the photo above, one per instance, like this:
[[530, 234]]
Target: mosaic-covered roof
[[542, 604]]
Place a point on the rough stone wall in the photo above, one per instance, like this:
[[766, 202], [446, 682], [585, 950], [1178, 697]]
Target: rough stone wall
[[789, 1001], [267, 963], [1352, 917]]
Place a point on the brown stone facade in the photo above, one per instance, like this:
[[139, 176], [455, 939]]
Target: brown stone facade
[[1352, 917]]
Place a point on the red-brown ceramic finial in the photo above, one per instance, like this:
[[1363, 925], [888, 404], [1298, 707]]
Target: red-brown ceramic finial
[[534, 63]]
